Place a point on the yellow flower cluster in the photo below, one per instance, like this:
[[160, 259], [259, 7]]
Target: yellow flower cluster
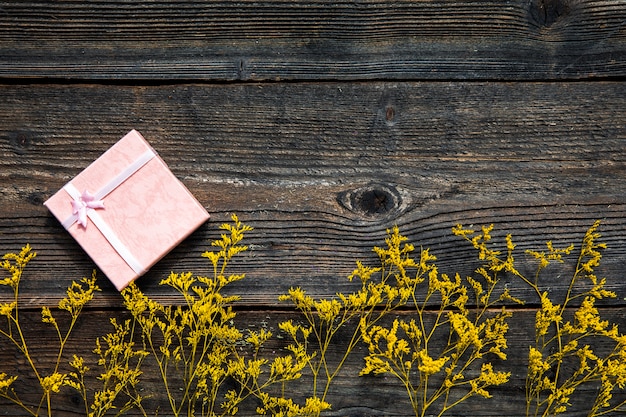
[[53, 383], [198, 349], [77, 296], [553, 254], [429, 366], [5, 383], [403, 348], [442, 336], [118, 378], [193, 343], [562, 359], [548, 315], [285, 407], [14, 264]]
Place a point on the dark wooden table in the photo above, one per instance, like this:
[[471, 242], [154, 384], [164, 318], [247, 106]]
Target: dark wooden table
[[321, 124]]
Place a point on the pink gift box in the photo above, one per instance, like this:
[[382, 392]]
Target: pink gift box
[[127, 210]]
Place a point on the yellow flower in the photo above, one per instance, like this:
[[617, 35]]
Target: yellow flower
[[466, 331], [458, 230], [53, 383], [476, 286], [547, 315], [6, 381], [536, 364], [6, 309], [553, 254], [327, 309], [489, 377], [413, 331], [14, 264], [375, 364], [46, 316], [495, 330], [588, 317], [363, 272], [507, 296], [286, 368], [181, 282], [428, 365], [561, 396], [299, 298], [425, 258], [78, 363], [314, 406], [257, 339], [79, 294]]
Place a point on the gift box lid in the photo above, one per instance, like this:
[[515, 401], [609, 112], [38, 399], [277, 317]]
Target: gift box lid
[[127, 209]]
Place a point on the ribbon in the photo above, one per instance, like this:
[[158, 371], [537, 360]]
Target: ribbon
[[84, 206]]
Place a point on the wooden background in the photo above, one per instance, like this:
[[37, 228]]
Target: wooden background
[[321, 124]]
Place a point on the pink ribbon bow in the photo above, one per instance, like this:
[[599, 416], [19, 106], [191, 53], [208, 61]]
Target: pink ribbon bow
[[82, 205]]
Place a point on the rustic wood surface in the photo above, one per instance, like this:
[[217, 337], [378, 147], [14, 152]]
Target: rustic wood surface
[[321, 124]]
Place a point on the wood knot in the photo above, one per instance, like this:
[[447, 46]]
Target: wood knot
[[76, 399], [371, 200], [36, 198], [545, 13], [20, 141], [390, 114]]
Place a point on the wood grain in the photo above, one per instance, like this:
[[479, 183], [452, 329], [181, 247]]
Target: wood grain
[[321, 170], [117, 41], [321, 124]]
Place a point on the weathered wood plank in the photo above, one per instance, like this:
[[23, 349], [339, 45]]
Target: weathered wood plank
[[321, 170], [350, 395], [333, 40]]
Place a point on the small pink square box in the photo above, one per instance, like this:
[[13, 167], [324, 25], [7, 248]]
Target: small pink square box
[[127, 210]]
